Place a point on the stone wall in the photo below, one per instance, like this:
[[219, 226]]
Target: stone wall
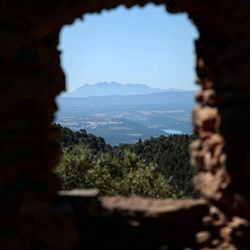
[[221, 121], [34, 216]]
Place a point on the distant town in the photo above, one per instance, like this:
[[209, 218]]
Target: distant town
[[127, 118]]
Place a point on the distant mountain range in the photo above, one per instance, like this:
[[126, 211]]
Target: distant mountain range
[[162, 98], [127, 118], [115, 89]]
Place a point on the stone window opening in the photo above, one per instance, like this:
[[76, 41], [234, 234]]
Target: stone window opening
[[85, 41], [35, 216]]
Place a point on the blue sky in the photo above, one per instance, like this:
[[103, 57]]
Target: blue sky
[[140, 45]]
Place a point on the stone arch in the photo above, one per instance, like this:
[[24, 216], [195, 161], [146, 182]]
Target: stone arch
[[31, 78]]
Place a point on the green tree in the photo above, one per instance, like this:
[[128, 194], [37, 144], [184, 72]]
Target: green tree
[[82, 168], [107, 167]]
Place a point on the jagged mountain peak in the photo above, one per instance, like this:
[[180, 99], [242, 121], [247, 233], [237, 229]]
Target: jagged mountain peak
[[113, 88]]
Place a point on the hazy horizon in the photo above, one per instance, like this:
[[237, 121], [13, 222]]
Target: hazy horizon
[[146, 46], [128, 84]]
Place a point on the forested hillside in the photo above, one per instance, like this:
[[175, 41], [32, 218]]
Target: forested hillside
[[157, 167], [171, 156], [70, 138]]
